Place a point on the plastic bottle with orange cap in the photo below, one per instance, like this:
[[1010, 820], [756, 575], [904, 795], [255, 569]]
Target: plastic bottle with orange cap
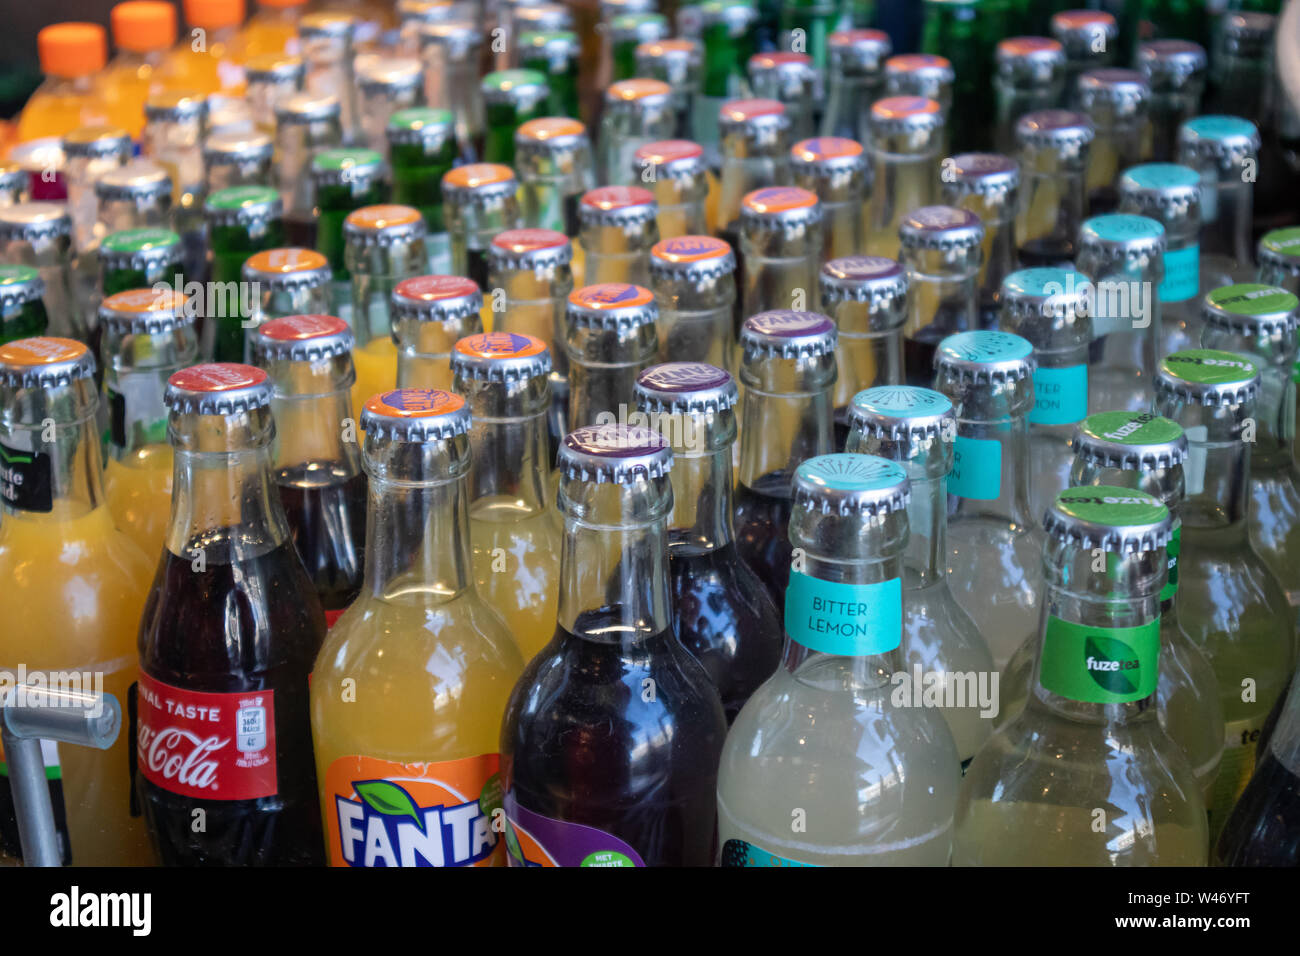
[[273, 27], [210, 55], [75, 585], [144, 32], [72, 56]]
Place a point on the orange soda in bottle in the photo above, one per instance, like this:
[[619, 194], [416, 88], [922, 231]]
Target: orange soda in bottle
[[71, 55], [210, 56], [144, 31]]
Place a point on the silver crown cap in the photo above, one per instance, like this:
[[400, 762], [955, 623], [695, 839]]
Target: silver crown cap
[[619, 454]]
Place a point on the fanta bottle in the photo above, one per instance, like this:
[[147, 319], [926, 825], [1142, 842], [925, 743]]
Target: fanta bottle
[[410, 687], [273, 28], [71, 55], [143, 32], [210, 55], [74, 586]]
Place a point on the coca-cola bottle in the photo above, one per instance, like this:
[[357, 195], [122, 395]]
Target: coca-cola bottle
[[224, 772]]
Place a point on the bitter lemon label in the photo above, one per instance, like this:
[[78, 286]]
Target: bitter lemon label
[[853, 620], [1100, 665]]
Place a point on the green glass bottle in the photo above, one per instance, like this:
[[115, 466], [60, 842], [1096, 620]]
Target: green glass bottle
[[242, 220], [627, 31], [554, 54], [511, 98], [345, 179], [805, 27], [421, 150], [1030, 75], [727, 33], [1175, 19], [140, 259], [1229, 603], [967, 32], [1260, 321], [1085, 775], [22, 311]]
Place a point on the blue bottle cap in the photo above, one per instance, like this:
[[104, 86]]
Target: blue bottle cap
[[851, 482]]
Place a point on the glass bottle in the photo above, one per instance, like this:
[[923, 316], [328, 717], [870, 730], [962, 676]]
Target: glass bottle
[[968, 31], [942, 250], [1259, 321], [866, 296], [877, 780], [1116, 102], [610, 337], [343, 180], [1278, 252], [430, 315], [755, 143], [74, 584], [285, 281], [516, 533], [925, 75], [1090, 39], [674, 171], [554, 164], [637, 112], [511, 98], [89, 152], [987, 184], [236, 159], [1144, 451], [856, 62], [242, 220], [272, 78], [14, 184], [413, 15], [1225, 151], [787, 373], [1030, 77], [328, 51], [626, 32], [618, 228], [173, 135], [556, 55], [836, 170], [1123, 255], [147, 335], [133, 196], [1171, 195], [386, 85], [994, 544], [1175, 71], [421, 151], [727, 33], [451, 53], [304, 126], [723, 614], [481, 199], [1053, 156], [1229, 604], [678, 62], [317, 465], [781, 245], [807, 25], [915, 427], [22, 305], [1243, 84], [597, 772], [39, 234], [1088, 739], [227, 641], [530, 277], [790, 79], [694, 283], [905, 136]]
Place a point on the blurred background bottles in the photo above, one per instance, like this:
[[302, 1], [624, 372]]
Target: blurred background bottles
[[72, 55]]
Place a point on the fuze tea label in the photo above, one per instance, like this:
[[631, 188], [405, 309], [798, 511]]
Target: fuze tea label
[[381, 813], [853, 620], [1100, 665], [535, 840]]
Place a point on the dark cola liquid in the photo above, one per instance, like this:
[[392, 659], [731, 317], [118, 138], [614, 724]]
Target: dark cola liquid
[[1046, 253], [300, 230], [622, 737], [726, 620], [1264, 827], [327, 519], [233, 627], [1270, 722], [763, 532], [918, 355]]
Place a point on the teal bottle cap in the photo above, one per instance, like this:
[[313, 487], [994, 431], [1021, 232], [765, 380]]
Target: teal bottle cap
[[985, 357], [848, 483], [1121, 520], [908, 418], [1047, 291], [1226, 140], [1161, 190]]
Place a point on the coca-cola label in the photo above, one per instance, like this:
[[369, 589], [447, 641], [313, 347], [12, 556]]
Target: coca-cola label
[[208, 746]]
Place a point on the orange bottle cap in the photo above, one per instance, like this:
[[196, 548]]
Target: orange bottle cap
[[738, 111], [143, 25], [145, 300], [214, 14], [770, 61], [72, 49], [41, 350], [617, 197], [382, 216], [414, 403], [611, 295], [528, 240], [666, 151], [281, 4], [825, 147], [288, 259], [550, 127], [473, 175], [690, 249], [911, 62], [500, 345], [626, 91]]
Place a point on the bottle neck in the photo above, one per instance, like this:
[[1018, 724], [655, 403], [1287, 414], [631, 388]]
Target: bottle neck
[[927, 516], [135, 378], [225, 505], [511, 444], [701, 479], [787, 414], [1218, 480], [1052, 208], [1227, 207], [417, 540], [614, 561], [991, 474], [52, 433]]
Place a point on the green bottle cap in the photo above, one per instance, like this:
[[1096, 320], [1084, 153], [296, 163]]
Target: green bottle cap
[[335, 167], [551, 44], [1280, 249], [638, 27], [139, 248], [20, 285], [1122, 520], [1207, 377], [1130, 441], [522, 89], [243, 206], [849, 482], [1251, 309]]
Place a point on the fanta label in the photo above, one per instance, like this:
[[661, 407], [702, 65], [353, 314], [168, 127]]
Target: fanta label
[[500, 345], [209, 746], [415, 402], [690, 248], [535, 840], [611, 295], [382, 813]]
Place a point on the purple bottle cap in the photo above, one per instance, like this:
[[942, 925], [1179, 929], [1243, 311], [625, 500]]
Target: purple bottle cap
[[621, 454], [685, 388]]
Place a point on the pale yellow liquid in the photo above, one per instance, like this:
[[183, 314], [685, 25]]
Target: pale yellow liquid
[[73, 593], [517, 567], [412, 678], [376, 365], [139, 493]]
